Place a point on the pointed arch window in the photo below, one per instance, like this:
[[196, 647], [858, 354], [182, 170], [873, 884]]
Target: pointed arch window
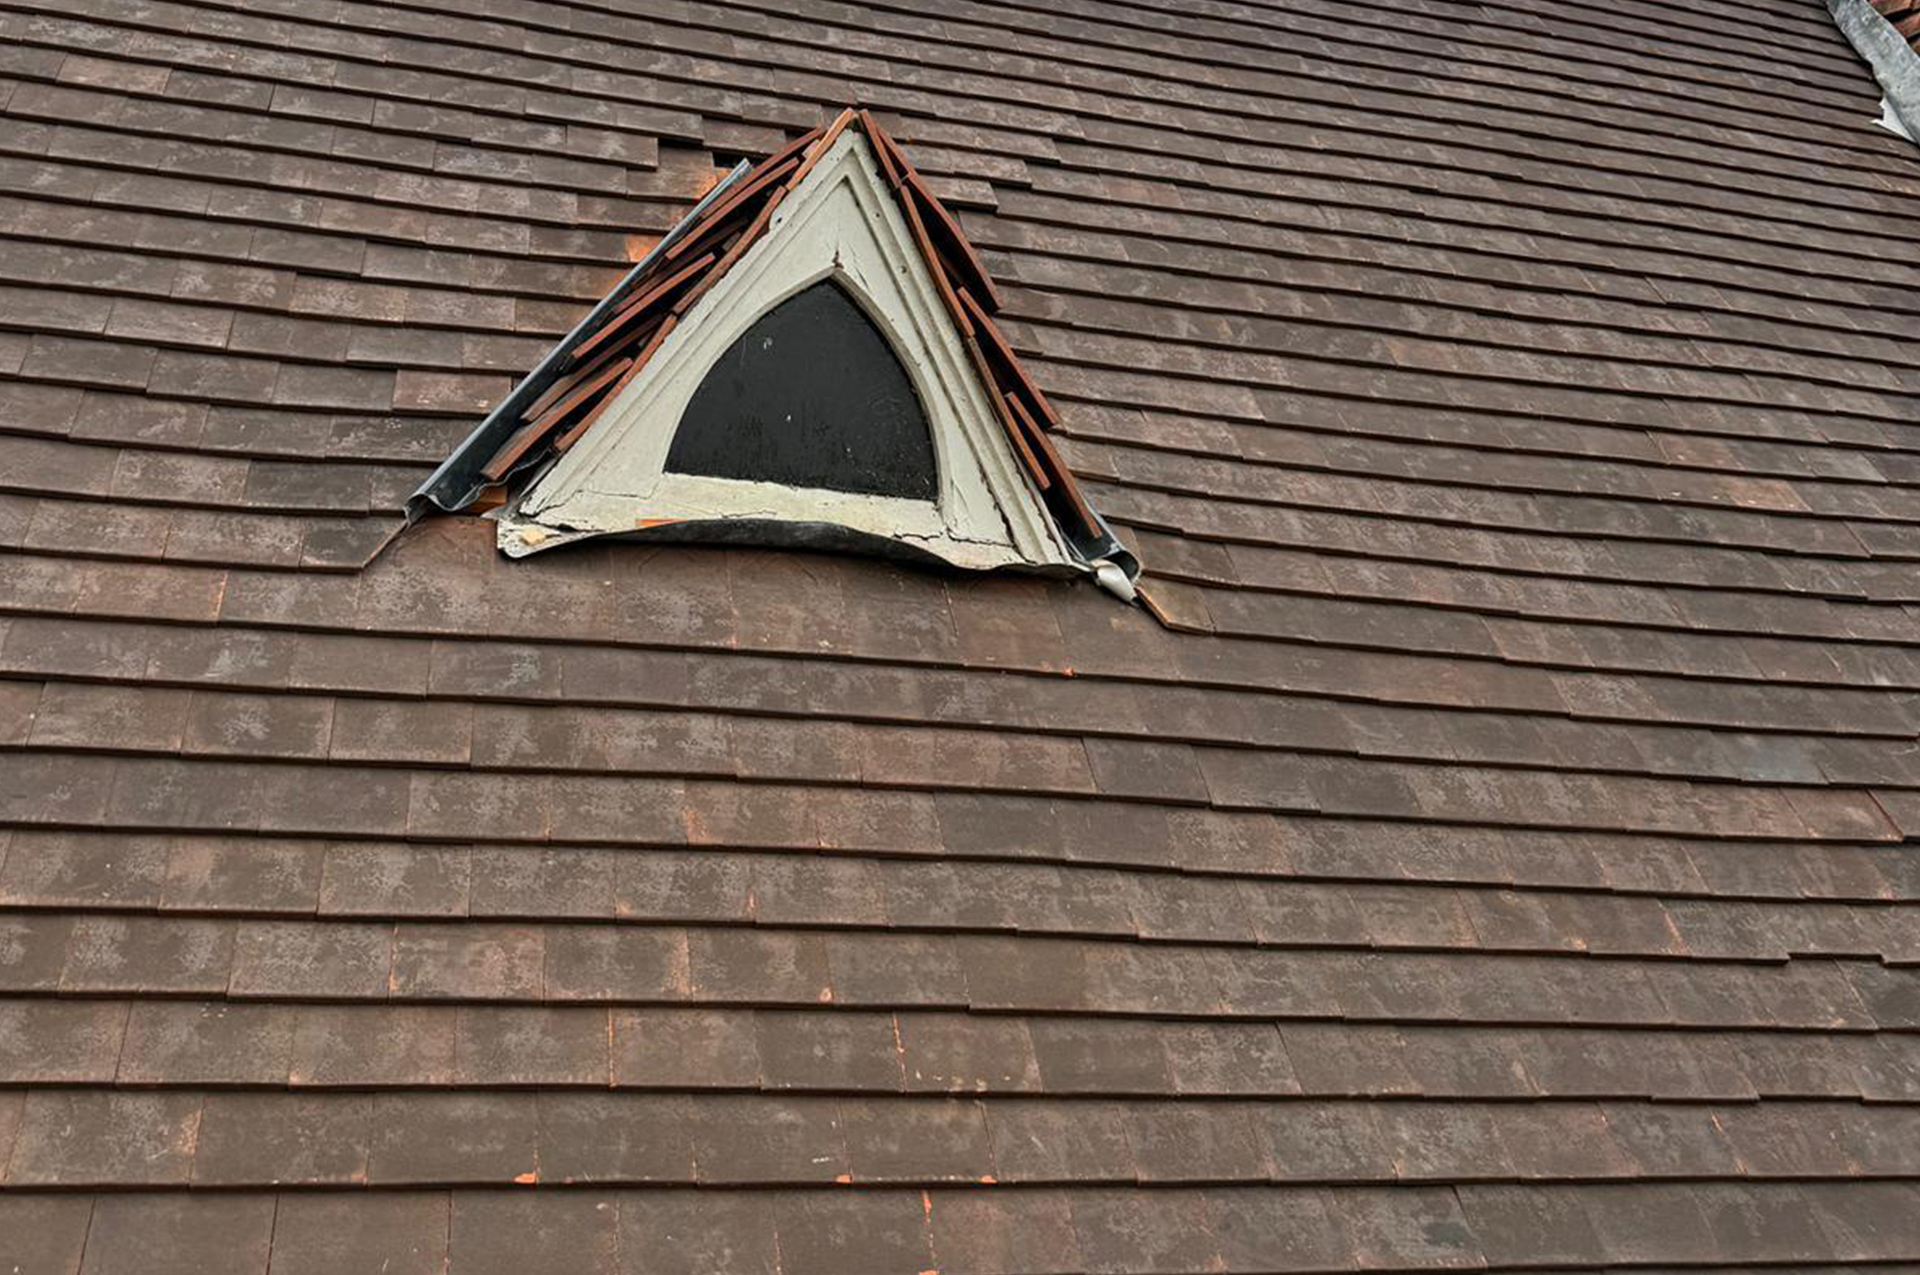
[[810, 396]]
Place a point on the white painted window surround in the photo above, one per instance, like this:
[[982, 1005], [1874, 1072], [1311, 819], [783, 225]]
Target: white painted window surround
[[840, 223]]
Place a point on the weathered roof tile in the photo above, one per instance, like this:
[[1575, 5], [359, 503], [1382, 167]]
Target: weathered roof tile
[[1501, 851]]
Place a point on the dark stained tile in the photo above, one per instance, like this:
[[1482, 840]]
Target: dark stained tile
[[148, 954], [1526, 1222], [1560, 1141], [780, 967], [242, 875], [676, 885], [963, 1053], [1128, 1230], [1316, 1142], [207, 1043], [1646, 1222], [603, 962], [44, 1232], [895, 969], [61, 1042], [624, 1138], [102, 1138], [526, 1045], [327, 661], [258, 1139], [192, 796], [822, 1233], [440, 1139], [360, 1046], [917, 1140], [1330, 1058], [179, 1234], [32, 950], [1093, 1055], [67, 869], [1046, 1140], [1026, 974], [397, 1233], [322, 960], [1002, 1232], [1410, 1227], [1228, 1058], [470, 962], [1198, 1142], [75, 715], [837, 1050], [1752, 1222], [696, 1232], [530, 881], [685, 1048], [751, 1140], [1132, 768], [1297, 1229], [394, 880], [505, 1232]]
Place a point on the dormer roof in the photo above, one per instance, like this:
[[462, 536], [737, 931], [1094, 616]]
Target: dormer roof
[[585, 445]]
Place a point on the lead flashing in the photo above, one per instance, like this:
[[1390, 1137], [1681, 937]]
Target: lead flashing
[[1895, 65], [458, 481]]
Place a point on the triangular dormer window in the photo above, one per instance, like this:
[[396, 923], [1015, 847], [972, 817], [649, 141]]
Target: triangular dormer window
[[810, 359]]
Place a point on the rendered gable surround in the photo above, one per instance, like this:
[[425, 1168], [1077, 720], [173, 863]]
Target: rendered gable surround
[[840, 223]]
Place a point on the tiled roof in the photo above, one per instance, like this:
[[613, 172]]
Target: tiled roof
[[1497, 859]]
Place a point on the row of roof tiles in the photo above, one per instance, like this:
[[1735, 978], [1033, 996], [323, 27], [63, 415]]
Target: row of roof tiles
[[182, 1043], [56, 952], [1125, 1231], [397, 882], [70, 1138]]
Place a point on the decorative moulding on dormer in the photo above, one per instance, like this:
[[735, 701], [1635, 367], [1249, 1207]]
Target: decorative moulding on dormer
[[809, 359]]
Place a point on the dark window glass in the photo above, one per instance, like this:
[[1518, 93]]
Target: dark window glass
[[810, 396]]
